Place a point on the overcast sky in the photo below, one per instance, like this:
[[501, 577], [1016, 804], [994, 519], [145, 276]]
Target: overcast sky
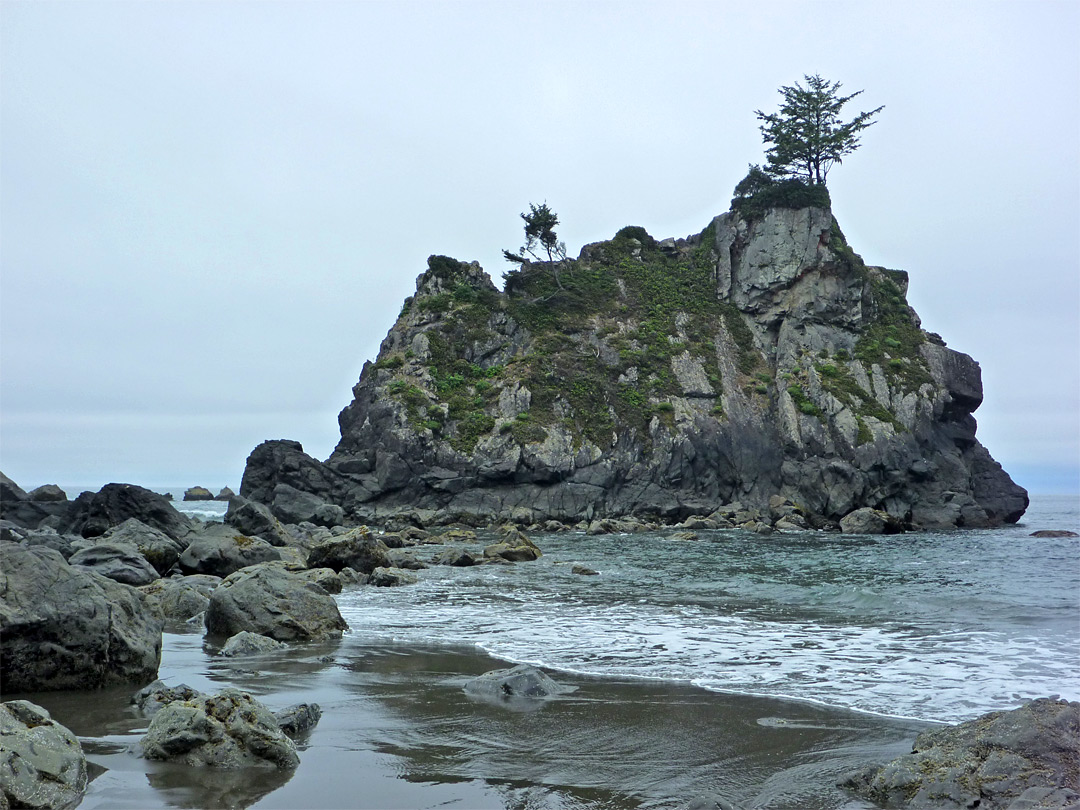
[[210, 212]]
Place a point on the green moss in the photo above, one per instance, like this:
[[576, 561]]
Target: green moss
[[893, 339], [802, 402]]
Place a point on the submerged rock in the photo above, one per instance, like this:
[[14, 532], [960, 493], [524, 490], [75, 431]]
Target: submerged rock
[[522, 681], [227, 730], [152, 697], [42, 765], [247, 643], [1024, 758]]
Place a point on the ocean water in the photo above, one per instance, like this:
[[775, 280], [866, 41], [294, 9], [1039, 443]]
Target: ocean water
[[934, 626]]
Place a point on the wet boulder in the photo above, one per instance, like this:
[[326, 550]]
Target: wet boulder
[[515, 547], [358, 549], [63, 628], [220, 550], [42, 764], [456, 557], [390, 578], [298, 720], [120, 562], [271, 601], [1026, 758], [228, 730]]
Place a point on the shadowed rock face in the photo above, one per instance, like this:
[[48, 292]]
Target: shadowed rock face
[[758, 358]]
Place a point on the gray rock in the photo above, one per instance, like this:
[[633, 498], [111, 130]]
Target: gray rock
[[225, 494], [152, 697], [359, 549], [93, 514], [160, 550], [120, 562], [1053, 533], [326, 578], [48, 493], [227, 730], [256, 520], [18, 508], [522, 681], [869, 521], [515, 548], [268, 600], [390, 578], [62, 628], [219, 550], [248, 643], [298, 720], [457, 557], [42, 764], [584, 570], [198, 494], [181, 598], [1000, 761]]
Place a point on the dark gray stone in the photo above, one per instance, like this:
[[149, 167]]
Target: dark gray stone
[[93, 514], [121, 562], [268, 600], [62, 628], [522, 681], [219, 550], [298, 720], [358, 549]]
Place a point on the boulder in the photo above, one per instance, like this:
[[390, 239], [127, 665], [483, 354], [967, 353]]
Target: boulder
[[49, 493], [457, 557], [1026, 758], [160, 550], [869, 521], [268, 600], [66, 544], [16, 506], [220, 550], [227, 730], [522, 681], [326, 578], [93, 514], [63, 628], [515, 548], [180, 598], [1053, 533], [226, 494], [198, 494], [584, 570], [247, 643], [390, 578], [298, 720], [120, 562], [358, 549], [255, 520], [152, 697], [42, 764]]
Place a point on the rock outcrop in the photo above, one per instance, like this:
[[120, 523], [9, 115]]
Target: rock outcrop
[[760, 358], [42, 765], [1025, 758], [94, 513], [62, 628]]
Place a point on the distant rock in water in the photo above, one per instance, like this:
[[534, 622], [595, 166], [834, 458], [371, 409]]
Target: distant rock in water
[[225, 494], [48, 493], [198, 494], [1053, 533], [761, 358]]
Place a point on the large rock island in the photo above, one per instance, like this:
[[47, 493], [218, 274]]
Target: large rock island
[[658, 379]]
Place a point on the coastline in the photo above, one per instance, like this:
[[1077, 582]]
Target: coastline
[[398, 731]]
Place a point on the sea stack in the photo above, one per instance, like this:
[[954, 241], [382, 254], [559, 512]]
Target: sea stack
[[761, 357]]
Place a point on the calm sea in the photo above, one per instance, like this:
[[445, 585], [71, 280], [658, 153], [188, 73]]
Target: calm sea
[[932, 626]]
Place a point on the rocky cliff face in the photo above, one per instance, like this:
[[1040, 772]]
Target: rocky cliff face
[[761, 357]]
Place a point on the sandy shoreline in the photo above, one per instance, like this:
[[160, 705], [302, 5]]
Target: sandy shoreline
[[398, 732]]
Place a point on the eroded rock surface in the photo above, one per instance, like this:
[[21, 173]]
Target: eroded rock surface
[[42, 765]]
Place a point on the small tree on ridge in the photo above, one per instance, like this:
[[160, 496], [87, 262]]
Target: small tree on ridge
[[807, 136]]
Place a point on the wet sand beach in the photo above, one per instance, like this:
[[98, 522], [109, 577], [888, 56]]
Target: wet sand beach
[[398, 731]]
